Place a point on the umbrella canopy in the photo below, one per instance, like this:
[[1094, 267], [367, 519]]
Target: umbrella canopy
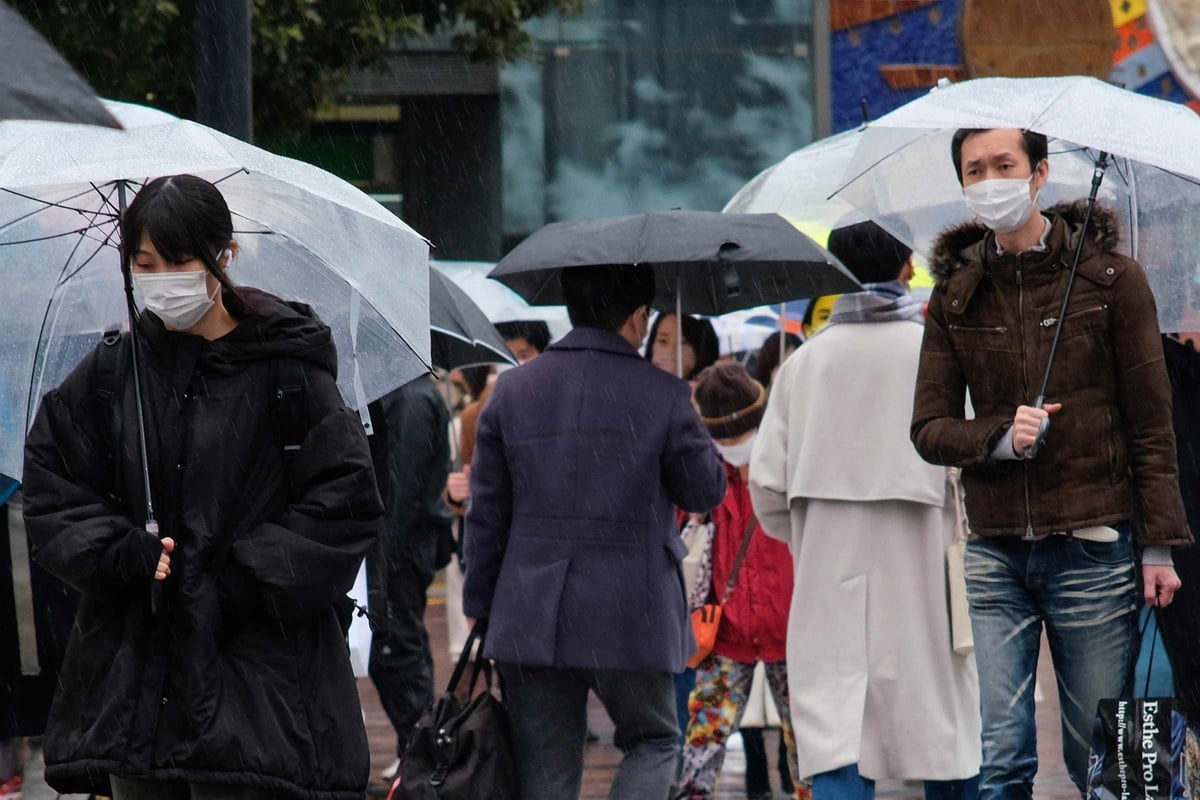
[[35, 81], [902, 176], [461, 333], [500, 303], [704, 262], [799, 187], [305, 235]]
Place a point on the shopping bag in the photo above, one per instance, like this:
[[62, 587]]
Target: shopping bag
[[961, 637], [1142, 747], [461, 749]]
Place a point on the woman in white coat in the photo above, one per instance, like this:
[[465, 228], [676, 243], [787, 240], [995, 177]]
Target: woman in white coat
[[877, 690]]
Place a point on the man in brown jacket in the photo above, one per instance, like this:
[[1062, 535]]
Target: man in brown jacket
[[1054, 543]]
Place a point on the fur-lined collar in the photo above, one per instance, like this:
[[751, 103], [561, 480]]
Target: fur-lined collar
[[949, 253]]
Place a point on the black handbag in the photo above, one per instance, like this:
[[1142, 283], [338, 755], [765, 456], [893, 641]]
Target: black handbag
[[461, 749]]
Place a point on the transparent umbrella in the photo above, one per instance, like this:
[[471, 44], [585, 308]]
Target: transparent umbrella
[[799, 187], [305, 235], [902, 176], [500, 303]]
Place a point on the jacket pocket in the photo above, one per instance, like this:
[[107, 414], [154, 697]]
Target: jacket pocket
[[524, 625], [980, 337], [1088, 319]]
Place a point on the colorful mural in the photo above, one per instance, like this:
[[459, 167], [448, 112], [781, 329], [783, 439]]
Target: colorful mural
[[884, 53]]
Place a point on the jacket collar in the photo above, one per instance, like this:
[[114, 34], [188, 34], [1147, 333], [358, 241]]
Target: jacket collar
[[595, 339]]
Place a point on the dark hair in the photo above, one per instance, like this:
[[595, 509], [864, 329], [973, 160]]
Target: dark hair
[[536, 332], [870, 253], [604, 297], [476, 379], [768, 359], [697, 332], [1037, 147], [185, 217]]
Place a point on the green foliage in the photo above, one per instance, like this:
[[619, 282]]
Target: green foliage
[[141, 51]]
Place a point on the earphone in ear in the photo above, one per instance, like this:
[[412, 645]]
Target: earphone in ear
[[228, 254]]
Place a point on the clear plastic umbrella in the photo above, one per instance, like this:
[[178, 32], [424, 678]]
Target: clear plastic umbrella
[[305, 235], [500, 303], [901, 174], [799, 187]]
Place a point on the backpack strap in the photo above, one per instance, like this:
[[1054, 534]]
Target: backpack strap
[[289, 386], [112, 365]]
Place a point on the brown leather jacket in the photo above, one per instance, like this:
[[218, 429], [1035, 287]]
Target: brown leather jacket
[[1109, 456]]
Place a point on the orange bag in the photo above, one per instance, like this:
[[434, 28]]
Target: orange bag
[[707, 619]]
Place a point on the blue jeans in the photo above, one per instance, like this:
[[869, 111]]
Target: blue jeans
[[847, 784], [1085, 594], [549, 715]]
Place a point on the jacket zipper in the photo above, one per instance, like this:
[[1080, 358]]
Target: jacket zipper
[[1025, 383], [1050, 321], [967, 329]]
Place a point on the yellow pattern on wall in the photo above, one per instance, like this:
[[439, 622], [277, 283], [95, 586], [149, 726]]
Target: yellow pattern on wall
[[1127, 11]]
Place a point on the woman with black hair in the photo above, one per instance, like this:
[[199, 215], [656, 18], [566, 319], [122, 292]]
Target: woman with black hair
[[701, 347], [235, 681]]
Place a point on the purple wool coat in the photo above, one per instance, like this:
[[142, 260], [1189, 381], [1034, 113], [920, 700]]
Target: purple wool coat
[[572, 549]]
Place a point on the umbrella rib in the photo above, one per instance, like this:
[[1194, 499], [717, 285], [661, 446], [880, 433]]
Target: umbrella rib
[[37, 211], [1046, 109], [237, 171], [76, 232], [50, 203], [366, 300], [879, 161], [105, 243]]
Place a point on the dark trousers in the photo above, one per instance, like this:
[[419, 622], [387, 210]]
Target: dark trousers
[[401, 664], [1180, 623], [549, 715]]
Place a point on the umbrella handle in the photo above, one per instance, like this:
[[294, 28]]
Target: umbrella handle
[[1044, 428]]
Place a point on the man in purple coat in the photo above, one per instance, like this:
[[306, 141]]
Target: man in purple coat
[[573, 553]]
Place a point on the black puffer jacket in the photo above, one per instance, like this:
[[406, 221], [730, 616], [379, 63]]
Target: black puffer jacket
[[243, 677]]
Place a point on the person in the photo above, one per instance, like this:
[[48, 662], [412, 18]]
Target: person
[[527, 339], [753, 627], [411, 446], [1053, 544], [701, 347], [816, 315], [234, 679], [769, 360], [1180, 621], [573, 554], [877, 690]]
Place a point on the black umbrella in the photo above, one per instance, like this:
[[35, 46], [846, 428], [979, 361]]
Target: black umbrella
[[35, 81], [704, 262], [462, 336]]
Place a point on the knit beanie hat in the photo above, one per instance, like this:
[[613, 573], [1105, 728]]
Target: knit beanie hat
[[731, 402]]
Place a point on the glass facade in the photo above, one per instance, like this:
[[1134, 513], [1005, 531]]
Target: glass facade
[[643, 105]]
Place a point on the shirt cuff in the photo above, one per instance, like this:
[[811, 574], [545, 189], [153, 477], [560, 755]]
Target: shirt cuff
[[1003, 451], [1157, 557]]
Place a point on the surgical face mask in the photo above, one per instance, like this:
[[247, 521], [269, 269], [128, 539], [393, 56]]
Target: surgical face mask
[[179, 299], [738, 455], [1003, 204]]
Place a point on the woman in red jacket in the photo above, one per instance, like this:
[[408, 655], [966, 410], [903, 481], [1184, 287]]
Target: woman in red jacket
[[754, 621]]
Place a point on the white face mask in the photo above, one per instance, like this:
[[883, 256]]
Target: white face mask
[[179, 299], [1003, 204], [738, 455]]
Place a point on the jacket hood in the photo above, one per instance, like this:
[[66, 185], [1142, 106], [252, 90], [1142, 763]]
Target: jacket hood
[[950, 249], [268, 328]]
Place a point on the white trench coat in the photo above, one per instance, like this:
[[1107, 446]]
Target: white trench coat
[[873, 677]]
